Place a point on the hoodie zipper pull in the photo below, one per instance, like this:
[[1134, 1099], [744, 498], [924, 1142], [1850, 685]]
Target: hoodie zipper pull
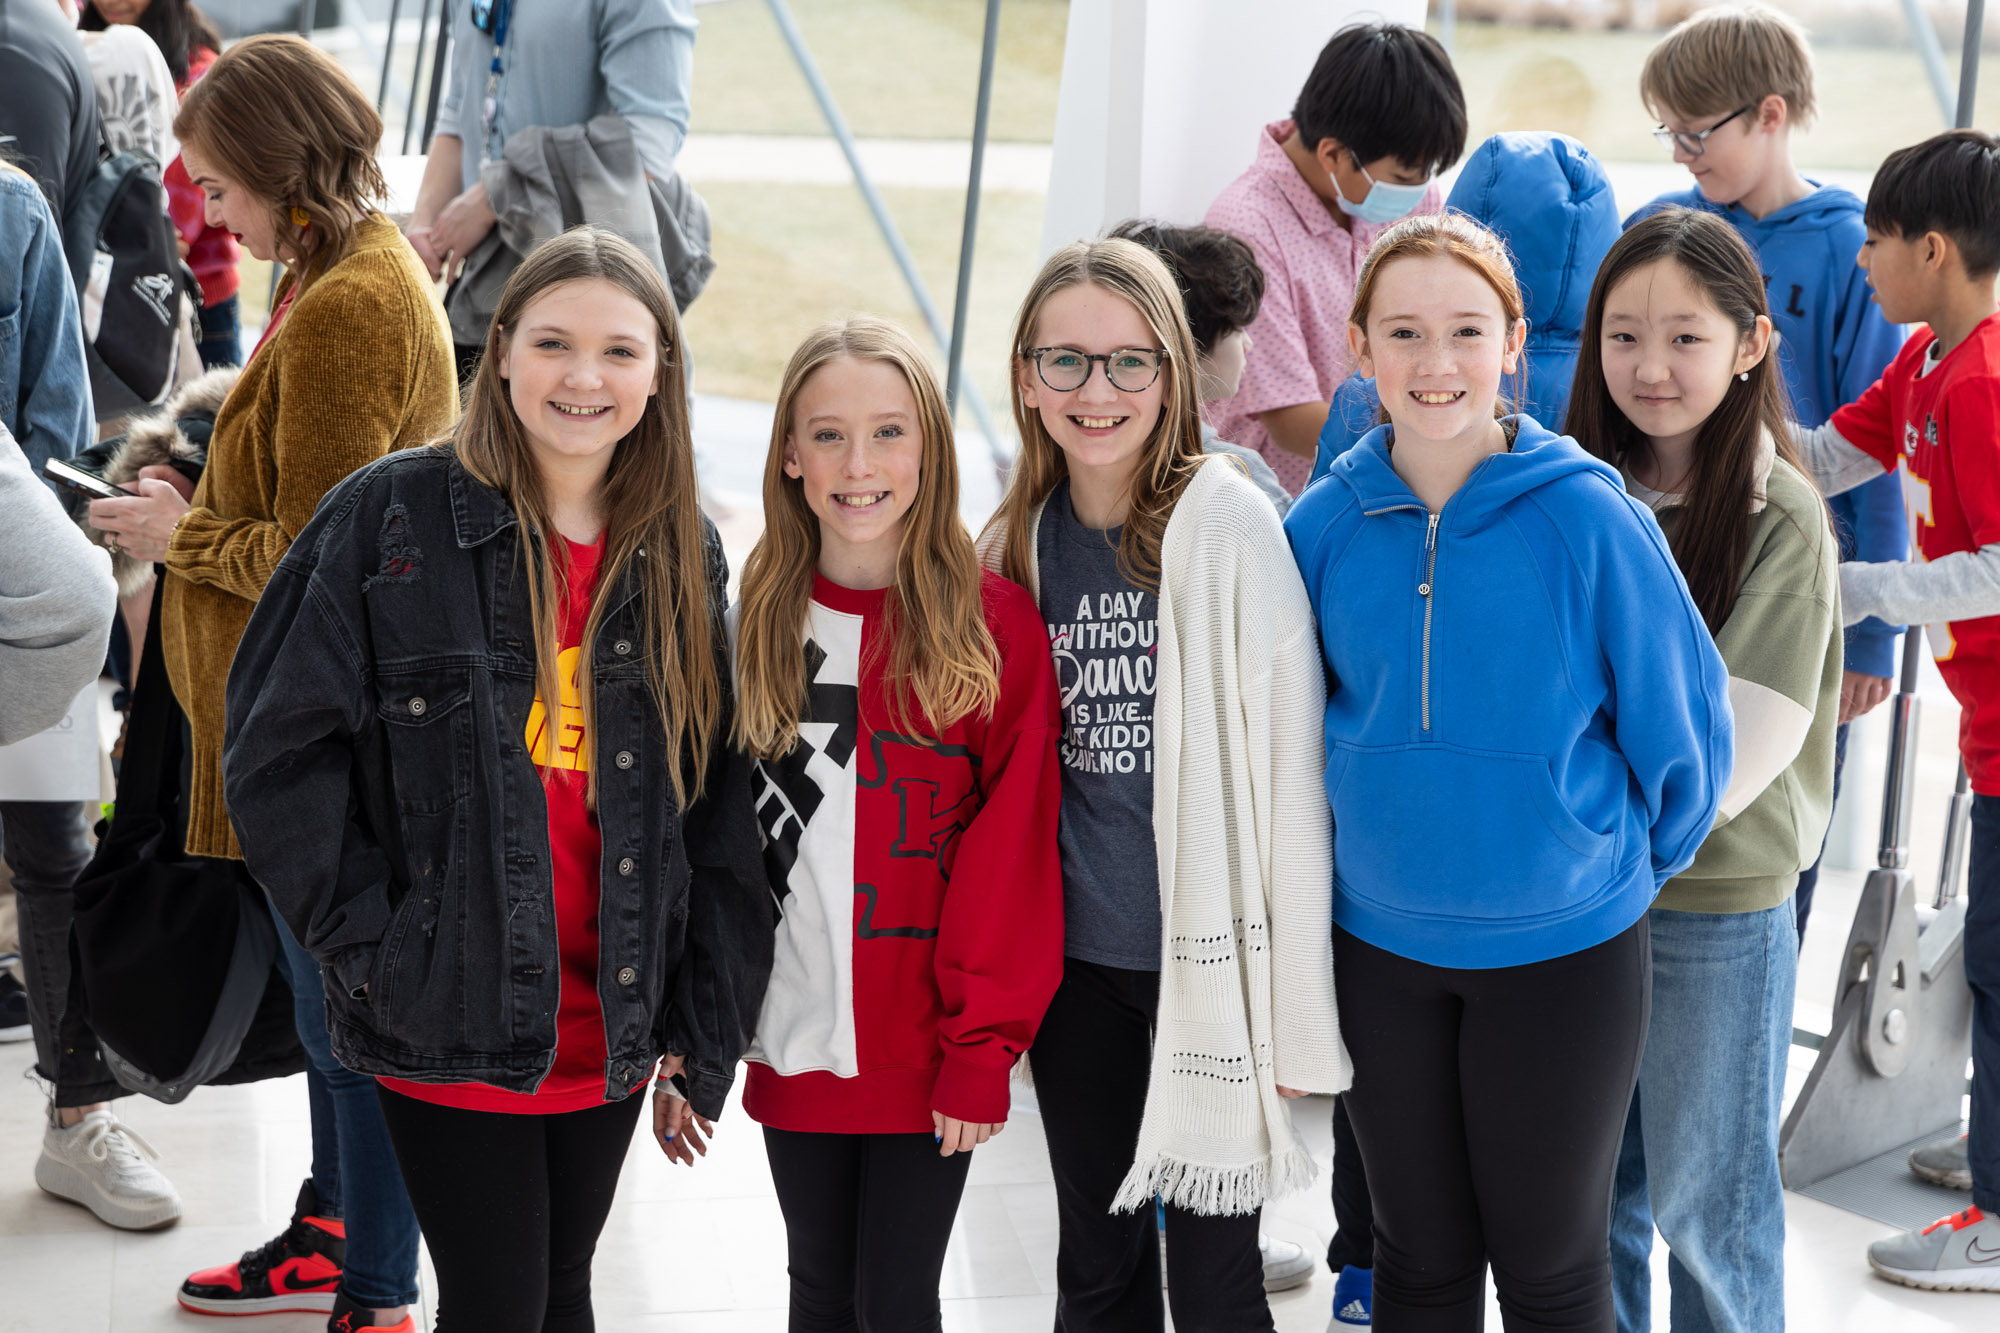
[[1430, 556]]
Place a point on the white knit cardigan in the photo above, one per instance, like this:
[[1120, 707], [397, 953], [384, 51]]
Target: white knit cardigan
[[1241, 827]]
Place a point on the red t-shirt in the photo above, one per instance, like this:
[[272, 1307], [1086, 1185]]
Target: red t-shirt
[[1944, 429], [212, 252], [575, 852]]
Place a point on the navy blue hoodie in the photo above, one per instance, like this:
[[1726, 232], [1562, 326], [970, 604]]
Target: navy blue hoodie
[[1834, 344], [1550, 201], [1528, 726]]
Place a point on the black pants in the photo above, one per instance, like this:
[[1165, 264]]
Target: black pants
[[867, 1219], [47, 845], [511, 1207], [1489, 1105], [1353, 1242], [1090, 1059]]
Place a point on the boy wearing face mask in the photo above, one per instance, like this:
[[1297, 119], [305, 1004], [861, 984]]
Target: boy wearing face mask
[[1381, 114]]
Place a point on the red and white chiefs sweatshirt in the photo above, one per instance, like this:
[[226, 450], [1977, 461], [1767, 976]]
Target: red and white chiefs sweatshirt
[[921, 890]]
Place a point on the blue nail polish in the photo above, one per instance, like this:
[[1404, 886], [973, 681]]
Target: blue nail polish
[[937, 1138]]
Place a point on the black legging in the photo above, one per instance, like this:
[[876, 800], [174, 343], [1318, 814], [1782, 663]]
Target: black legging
[[1489, 1105], [511, 1207], [867, 1219]]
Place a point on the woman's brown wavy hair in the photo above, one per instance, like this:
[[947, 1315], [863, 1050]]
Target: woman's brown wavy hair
[[941, 654], [652, 511], [281, 118], [1172, 455]]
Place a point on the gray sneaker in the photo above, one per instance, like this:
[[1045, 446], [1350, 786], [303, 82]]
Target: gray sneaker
[[1943, 1164], [1959, 1253]]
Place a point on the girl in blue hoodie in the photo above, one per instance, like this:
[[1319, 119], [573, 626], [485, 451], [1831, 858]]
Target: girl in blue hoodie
[[1527, 733]]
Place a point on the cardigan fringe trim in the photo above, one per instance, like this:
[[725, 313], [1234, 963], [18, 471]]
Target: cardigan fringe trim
[[1214, 1191]]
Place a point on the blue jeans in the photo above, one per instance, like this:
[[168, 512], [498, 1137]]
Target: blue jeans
[[1700, 1156], [354, 1169], [221, 334], [1982, 971]]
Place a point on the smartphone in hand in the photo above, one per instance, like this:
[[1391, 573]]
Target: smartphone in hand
[[85, 483]]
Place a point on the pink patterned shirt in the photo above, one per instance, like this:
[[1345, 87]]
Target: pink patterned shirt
[[1298, 344]]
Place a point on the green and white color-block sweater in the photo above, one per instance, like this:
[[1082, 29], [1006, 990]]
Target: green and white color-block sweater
[[1781, 644]]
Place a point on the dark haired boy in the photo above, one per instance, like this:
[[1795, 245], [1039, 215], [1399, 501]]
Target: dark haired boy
[[1932, 253], [1381, 114], [1222, 288]]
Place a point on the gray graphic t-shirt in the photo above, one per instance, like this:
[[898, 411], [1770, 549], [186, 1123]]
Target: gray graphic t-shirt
[[1102, 632]]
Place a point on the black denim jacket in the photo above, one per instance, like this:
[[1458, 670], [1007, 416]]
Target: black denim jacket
[[378, 776]]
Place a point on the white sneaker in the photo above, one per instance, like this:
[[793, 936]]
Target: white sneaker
[[103, 1165], [1286, 1263]]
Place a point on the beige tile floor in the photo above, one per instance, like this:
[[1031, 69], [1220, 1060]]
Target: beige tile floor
[[701, 1251]]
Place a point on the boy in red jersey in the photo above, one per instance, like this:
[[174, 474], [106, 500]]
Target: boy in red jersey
[[1932, 253]]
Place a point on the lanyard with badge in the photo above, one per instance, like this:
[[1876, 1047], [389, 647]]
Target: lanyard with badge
[[493, 17]]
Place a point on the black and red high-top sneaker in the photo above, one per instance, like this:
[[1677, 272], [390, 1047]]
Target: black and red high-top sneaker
[[298, 1272], [347, 1317]]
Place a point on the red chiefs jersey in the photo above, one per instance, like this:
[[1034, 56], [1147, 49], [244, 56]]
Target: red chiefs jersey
[[576, 847], [921, 891], [1943, 428]]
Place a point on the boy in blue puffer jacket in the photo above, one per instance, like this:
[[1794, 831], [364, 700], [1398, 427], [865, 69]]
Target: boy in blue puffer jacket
[[1550, 201], [1728, 86]]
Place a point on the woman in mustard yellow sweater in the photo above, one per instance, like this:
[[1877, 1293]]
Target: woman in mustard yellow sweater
[[356, 361]]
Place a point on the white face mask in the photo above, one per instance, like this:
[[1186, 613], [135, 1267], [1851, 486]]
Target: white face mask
[[1384, 202]]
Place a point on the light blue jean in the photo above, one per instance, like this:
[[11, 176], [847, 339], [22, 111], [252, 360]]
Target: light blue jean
[[354, 1166], [1700, 1156]]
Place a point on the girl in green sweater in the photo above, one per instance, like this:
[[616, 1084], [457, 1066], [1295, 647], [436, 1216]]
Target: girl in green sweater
[[1678, 386]]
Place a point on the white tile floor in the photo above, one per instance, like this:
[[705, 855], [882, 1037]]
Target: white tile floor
[[700, 1251]]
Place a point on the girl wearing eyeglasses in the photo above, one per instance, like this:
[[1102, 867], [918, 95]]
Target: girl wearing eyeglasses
[[1194, 834]]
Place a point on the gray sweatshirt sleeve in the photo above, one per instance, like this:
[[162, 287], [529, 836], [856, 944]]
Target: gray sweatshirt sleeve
[[1835, 464], [57, 598], [1961, 586]]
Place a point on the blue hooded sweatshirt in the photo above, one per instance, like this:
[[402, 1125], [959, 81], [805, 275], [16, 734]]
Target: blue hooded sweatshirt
[[1528, 726], [1835, 343], [1550, 201]]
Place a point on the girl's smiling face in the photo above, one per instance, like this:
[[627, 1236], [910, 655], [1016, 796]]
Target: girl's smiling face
[[580, 364], [229, 205], [1097, 425], [1437, 344], [856, 447], [1669, 352]]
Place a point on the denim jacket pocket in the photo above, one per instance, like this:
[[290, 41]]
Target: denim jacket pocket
[[10, 367], [430, 739]]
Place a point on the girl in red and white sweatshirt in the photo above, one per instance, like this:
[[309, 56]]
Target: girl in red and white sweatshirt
[[902, 708]]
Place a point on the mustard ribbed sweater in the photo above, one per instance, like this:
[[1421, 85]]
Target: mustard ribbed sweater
[[362, 364]]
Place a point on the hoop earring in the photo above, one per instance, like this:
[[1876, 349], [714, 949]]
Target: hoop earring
[[300, 218]]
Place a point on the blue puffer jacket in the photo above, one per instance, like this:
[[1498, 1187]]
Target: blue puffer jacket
[[1549, 199]]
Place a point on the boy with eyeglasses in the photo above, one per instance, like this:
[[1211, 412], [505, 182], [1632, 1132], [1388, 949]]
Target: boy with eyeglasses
[[1380, 115], [1728, 86]]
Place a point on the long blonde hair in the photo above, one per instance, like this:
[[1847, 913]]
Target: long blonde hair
[[652, 512], [941, 652], [1173, 454]]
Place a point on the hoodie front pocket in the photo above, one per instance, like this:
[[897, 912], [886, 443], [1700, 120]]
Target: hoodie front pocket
[[1435, 830]]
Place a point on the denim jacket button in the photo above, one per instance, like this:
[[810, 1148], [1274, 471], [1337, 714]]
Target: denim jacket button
[[622, 647], [623, 759], [627, 866], [417, 706], [626, 976]]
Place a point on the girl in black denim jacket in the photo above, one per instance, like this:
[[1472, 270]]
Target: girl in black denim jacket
[[521, 907]]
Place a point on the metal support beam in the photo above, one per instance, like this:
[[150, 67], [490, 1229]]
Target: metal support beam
[[788, 27], [440, 52], [388, 55], [1924, 37], [1968, 61], [953, 364], [416, 76]]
